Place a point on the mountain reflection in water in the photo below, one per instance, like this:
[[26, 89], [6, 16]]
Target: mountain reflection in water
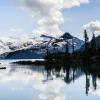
[[70, 73], [50, 82]]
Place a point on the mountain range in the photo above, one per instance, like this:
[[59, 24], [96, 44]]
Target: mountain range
[[32, 48]]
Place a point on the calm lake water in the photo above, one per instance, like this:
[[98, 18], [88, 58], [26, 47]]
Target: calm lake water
[[18, 82]]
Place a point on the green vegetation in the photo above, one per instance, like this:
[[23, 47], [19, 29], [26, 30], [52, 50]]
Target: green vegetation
[[90, 52]]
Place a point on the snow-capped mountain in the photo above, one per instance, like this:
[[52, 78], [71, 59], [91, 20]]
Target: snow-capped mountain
[[12, 44], [28, 47]]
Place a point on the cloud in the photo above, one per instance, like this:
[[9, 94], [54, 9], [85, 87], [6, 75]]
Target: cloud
[[26, 76], [93, 26], [49, 13], [51, 91], [16, 30], [97, 91]]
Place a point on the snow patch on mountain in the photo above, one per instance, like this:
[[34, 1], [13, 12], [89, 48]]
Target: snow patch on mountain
[[9, 44], [28, 47]]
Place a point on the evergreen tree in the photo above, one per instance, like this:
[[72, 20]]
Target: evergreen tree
[[73, 48], [86, 54], [86, 40], [67, 47], [93, 44]]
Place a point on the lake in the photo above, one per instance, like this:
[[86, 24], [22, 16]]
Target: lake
[[30, 82]]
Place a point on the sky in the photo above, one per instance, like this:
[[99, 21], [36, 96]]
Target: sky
[[51, 17]]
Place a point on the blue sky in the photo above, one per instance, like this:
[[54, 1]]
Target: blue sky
[[80, 16], [16, 22]]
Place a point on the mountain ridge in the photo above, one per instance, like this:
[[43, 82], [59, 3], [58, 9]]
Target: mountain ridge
[[33, 48]]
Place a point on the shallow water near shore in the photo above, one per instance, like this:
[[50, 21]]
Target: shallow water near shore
[[30, 82]]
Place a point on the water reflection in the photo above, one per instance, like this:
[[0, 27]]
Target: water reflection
[[60, 82], [70, 72]]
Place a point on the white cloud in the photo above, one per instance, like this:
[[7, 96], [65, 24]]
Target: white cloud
[[50, 91], [16, 30], [93, 26], [97, 91], [49, 13]]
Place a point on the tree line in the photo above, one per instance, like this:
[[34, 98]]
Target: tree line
[[91, 51]]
